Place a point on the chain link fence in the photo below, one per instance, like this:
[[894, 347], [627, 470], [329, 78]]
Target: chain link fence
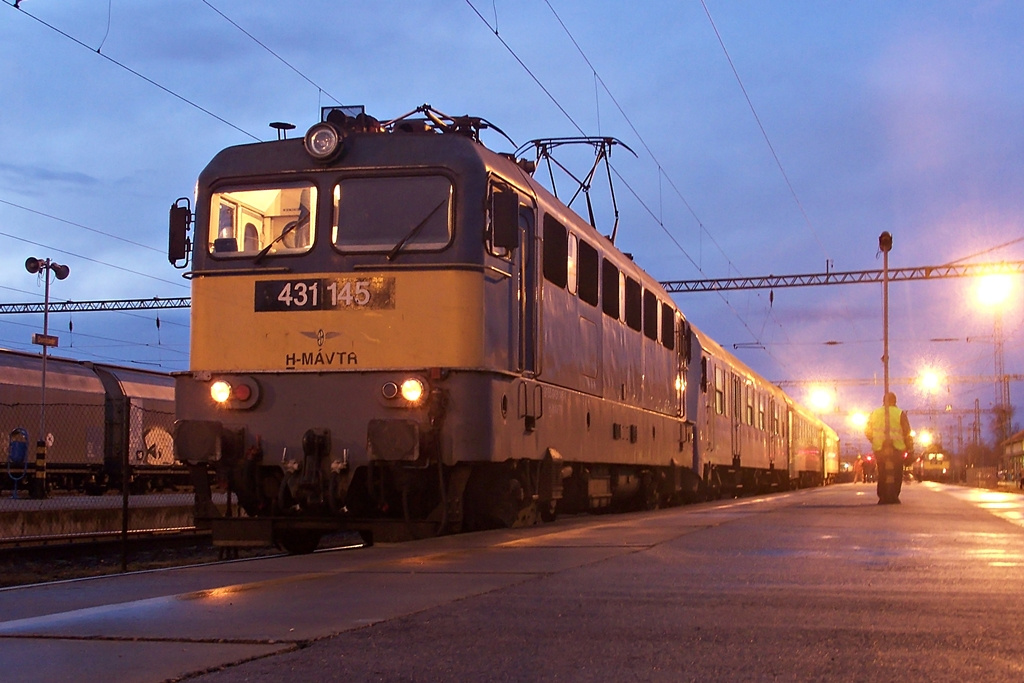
[[107, 466]]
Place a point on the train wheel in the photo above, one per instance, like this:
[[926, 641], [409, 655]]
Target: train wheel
[[650, 498], [300, 542], [495, 498]]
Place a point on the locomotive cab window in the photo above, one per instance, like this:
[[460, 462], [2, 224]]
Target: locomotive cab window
[[503, 229], [392, 214], [279, 220]]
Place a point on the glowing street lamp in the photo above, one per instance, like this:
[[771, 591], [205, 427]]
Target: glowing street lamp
[[821, 400], [930, 380], [993, 290]]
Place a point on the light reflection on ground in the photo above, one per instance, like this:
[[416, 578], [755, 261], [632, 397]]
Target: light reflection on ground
[[1000, 550]]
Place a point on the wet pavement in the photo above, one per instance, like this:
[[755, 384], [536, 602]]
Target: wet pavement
[[820, 584]]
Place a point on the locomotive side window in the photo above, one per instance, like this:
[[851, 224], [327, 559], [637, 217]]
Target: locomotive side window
[[634, 304], [610, 289], [245, 222], [750, 404], [556, 252], [650, 315], [588, 277], [760, 412], [392, 215], [571, 261], [668, 332]]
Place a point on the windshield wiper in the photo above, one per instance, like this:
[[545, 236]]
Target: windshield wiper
[[412, 233], [299, 222]]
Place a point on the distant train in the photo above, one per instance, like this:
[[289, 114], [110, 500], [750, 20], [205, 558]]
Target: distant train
[[392, 324], [97, 415], [933, 465]]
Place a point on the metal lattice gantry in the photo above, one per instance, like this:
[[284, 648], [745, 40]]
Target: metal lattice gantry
[[843, 278], [671, 286], [107, 305]]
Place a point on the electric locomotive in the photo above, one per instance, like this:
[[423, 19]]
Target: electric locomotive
[[395, 327]]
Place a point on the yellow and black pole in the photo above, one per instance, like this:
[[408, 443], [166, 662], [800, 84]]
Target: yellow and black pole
[[37, 487]]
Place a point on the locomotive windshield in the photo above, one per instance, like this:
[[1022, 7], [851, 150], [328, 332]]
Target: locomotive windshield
[[265, 221], [392, 215]]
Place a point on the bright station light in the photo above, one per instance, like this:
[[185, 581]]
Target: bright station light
[[820, 399], [993, 290]]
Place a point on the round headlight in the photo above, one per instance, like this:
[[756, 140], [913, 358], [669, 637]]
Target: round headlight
[[220, 391], [412, 390], [322, 141]]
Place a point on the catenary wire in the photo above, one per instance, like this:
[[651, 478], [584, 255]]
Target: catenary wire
[[130, 70], [617, 174]]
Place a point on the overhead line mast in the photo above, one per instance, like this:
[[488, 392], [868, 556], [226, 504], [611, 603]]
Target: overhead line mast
[[671, 286]]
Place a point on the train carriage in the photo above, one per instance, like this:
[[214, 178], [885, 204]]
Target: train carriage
[[97, 414], [393, 324]]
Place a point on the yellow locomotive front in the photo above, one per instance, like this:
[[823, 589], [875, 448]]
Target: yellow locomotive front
[[340, 296]]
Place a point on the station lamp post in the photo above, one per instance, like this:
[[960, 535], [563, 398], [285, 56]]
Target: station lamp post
[[44, 267], [992, 292], [885, 246]]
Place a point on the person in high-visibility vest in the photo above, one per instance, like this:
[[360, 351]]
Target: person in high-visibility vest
[[888, 429]]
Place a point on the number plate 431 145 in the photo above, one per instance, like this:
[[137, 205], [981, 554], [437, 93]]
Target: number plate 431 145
[[325, 294]]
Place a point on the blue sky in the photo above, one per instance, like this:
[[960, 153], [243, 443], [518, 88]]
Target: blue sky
[[852, 118]]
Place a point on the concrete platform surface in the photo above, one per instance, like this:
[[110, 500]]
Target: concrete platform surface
[[819, 584]]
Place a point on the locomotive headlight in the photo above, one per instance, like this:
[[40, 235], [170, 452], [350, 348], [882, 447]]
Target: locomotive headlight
[[412, 390], [235, 392], [322, 141], [220, 391]]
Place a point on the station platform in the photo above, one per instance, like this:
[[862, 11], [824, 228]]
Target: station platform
[[818, 584], [30, 521]]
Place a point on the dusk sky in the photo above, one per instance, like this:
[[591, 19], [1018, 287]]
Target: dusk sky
[[771, 138]]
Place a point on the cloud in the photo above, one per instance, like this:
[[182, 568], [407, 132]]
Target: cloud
[[25, 178]]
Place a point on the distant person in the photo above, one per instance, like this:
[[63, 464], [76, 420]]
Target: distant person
[[858, 470], [888, 430]]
